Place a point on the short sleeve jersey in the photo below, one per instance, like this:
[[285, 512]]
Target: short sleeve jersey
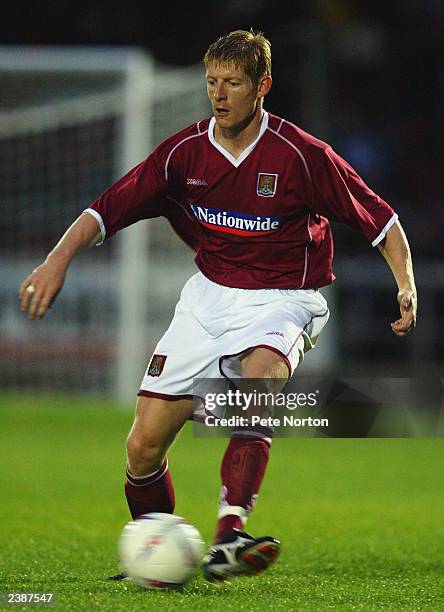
[[257, 221]]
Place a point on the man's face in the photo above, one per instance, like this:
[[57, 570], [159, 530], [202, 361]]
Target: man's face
[[232, 95]]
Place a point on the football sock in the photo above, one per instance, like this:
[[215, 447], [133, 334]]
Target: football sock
[[242, 472], [151, 493]]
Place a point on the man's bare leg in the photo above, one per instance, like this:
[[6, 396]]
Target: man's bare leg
[[149, 487]]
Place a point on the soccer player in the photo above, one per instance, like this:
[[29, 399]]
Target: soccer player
[[253, 195]]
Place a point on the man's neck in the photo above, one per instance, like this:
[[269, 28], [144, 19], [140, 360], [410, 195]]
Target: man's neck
[[236, 140]]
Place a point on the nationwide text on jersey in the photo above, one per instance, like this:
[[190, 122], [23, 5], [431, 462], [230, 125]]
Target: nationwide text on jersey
[[235, 222]]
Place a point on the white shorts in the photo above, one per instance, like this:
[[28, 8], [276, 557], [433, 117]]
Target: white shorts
[[214, 325]]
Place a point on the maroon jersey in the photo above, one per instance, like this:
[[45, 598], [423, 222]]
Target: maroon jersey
[[257, 221]]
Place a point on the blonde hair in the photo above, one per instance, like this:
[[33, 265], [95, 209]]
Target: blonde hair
[[250, 51]]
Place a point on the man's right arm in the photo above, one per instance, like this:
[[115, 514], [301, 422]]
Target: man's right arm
[[41, 287], [133, 197]]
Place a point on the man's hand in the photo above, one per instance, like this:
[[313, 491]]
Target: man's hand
[[396, 251], [407, 306], [40, 289]]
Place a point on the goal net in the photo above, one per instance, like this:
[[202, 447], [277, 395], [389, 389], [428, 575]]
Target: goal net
[[73, 120]]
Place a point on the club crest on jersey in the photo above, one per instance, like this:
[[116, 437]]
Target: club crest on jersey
[[156, 365], [266, 184]]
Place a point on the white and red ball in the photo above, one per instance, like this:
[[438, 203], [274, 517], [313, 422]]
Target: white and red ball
[[160, 550]]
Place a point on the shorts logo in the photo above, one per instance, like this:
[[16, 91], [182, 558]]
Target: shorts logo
[[266, 184], [156, 366]]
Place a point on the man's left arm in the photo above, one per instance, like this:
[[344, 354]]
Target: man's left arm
[[396, 251]]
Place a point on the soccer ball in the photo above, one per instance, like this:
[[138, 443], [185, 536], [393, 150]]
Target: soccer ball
[[160, 551]]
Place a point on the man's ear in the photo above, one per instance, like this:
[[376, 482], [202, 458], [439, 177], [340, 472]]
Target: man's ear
[[264, 86]]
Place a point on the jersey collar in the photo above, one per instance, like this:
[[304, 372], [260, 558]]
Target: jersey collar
[[236, 161]]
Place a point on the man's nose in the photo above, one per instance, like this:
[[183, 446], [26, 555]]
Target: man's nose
[[219, 91]]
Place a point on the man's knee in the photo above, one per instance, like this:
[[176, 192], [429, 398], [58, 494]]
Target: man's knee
[[145, 455], [154, 429]]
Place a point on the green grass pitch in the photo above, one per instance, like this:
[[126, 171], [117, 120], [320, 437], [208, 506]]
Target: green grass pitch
[[361, 521]]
